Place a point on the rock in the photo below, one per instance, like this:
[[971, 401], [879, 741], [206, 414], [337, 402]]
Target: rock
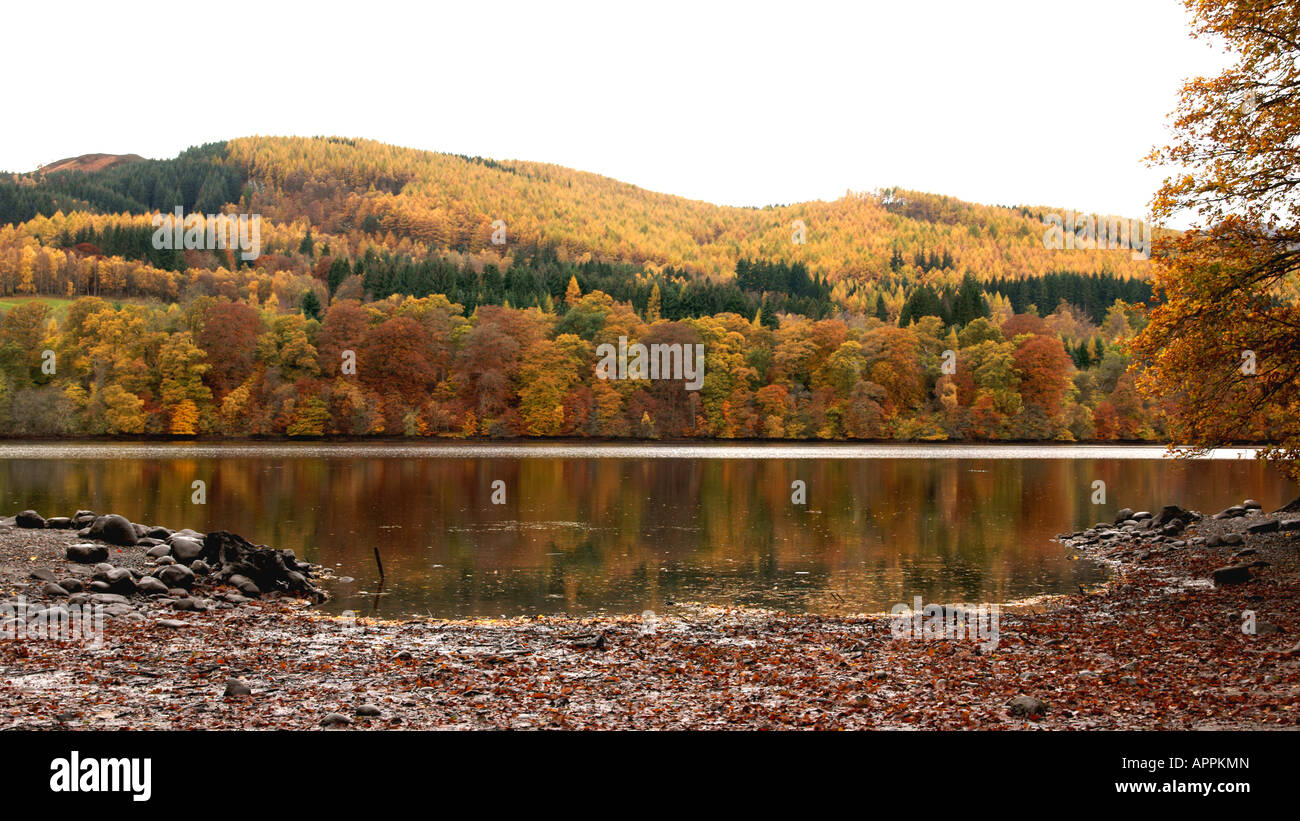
[[158, 533], [1026, 706], [163, 561], [121, 581], [176, 575], [369, 711], [158, 551], [59, 523], [1294, 524], [335, 720], [98, 587], [184, 549], [236, 688], [1232, 574], [1231, 512], [29, 519], [1263, 526], [596, 642], [245, 585], [115, 530], [149, 586], [87, 553], [119, 609], [54, 591], [1141, 514], [1251, 504], [40, 574], [71, 584], [1170, 514], [1232, 538], [200, 567], [404, 655], [148, 542], [174, 624], [184, 604], [108, 598], [1124, 515], [268, 570]]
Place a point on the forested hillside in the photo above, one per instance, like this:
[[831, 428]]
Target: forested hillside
[[474, 293]]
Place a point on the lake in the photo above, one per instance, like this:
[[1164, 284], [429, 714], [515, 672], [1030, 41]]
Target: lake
[[621, 528]]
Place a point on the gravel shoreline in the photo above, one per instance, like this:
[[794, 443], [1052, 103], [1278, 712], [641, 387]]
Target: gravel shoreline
[[1160, 646]]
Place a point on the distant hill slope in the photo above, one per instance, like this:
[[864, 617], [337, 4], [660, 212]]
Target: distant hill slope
[[88, 163], [402, 196]]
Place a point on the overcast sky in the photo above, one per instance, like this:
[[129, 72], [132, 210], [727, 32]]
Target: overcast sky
[[746, 104]]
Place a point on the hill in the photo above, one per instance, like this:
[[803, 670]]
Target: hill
[[437, 201], [88, 163]]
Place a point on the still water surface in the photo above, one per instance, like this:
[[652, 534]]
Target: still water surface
[[592, 528]]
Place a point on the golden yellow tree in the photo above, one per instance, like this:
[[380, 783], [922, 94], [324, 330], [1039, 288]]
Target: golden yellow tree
[[1220, 350]]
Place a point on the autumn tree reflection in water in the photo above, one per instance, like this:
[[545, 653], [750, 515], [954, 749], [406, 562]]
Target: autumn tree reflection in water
[[625, 535]]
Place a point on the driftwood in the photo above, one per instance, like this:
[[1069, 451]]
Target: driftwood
[[237, 561]]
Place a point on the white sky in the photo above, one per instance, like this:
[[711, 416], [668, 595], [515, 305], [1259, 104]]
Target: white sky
[[1001, 102]]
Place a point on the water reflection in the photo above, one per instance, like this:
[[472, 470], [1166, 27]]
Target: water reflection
[[642, 528]]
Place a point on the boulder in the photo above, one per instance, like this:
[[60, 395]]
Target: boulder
[[1232, 574], [29, 519], [54, 591], [1263, 526], [149, 586], [1026, 706], [244, 584], [176, 575], [185, 549], [108, 598], [236, 688], [1124, 515], [121, 581], [114, 529], [86, 553], [335, 720], [59, 523]]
